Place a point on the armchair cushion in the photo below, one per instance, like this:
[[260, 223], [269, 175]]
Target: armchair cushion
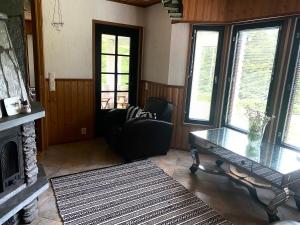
[[145, 138], [133, 112], [147, 115]]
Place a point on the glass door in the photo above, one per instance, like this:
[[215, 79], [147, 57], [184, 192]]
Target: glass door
[[116, 67]]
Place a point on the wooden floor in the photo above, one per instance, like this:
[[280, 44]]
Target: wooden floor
[[232, 201]]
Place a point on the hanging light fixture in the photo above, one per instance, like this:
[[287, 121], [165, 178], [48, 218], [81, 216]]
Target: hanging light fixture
[[57, 22]]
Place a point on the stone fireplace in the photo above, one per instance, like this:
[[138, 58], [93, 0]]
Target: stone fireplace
[[22, 180]]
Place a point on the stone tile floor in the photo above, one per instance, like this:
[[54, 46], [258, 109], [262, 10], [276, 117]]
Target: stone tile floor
[[230, 200]]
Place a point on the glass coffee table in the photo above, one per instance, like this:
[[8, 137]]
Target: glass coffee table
[[254, 165]]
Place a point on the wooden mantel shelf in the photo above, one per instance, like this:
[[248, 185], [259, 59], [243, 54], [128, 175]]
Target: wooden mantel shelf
[[37, 112]]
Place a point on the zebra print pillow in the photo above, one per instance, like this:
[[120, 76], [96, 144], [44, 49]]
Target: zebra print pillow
[[133, 112], [147, 115]]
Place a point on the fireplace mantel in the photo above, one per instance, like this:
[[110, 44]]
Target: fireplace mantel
[[37, 112]]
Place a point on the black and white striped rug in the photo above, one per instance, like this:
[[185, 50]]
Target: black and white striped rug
[[135, 193]]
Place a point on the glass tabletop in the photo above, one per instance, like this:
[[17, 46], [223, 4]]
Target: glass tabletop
[[278, 158]]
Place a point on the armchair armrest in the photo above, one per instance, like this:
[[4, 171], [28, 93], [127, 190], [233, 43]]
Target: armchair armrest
[[115, 117], [112, 123], [146, 137]]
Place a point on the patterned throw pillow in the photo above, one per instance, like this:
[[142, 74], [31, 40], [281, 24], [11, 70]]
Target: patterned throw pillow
[[133, 112], [147, 115]]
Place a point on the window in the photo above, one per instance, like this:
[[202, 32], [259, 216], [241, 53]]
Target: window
[[251, 71], [116, 66], [204, 72], [115, 54], [288, 132]]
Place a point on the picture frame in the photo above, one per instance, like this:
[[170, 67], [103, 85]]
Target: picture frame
[[12, 106]]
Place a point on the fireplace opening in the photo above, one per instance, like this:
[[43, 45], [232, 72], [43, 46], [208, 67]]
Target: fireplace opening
[[9, 165], [11, 161]]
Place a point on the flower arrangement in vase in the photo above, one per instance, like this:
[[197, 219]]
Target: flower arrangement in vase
[[258, 121]]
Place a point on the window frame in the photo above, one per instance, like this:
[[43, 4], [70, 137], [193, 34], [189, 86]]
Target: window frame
[[232, 54], [288, 88], [116, 73], [217, 73]]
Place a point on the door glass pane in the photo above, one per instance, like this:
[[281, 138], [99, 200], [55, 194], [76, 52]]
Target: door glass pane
[[108, 44], [123, 45], [291, 133], [203, 74], [107, 64], [123, 82], [252, 71], [122, 100], [107, 100], [107, 82], [123, 64]]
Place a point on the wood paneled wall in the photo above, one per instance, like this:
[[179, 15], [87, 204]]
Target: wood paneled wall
[[70, 108], [238, 10], [175, 95], [226, 11]]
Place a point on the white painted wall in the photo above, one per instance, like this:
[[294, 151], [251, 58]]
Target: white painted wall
[[157, 40], [68, 53], [179, 49]]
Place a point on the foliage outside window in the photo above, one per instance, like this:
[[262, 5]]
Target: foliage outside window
[[252, 65], [204, 66], [115, 66]]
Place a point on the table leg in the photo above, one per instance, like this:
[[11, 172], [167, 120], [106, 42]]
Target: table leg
[[196, 160], [253, 194], [281, 197], [297, 200], [219, 162]]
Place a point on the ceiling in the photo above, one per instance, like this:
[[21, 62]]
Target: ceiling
[[141, 3]]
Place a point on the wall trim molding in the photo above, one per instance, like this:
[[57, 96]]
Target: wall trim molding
[[168, 85], [71, 79]]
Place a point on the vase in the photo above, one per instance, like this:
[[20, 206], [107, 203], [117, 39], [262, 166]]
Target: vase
[[257, 130]]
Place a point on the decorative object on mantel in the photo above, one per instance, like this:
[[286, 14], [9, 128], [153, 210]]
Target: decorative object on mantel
[[12, 106], [11, 80], [57, 21], [174, 7], [257, 123], [25, 107]]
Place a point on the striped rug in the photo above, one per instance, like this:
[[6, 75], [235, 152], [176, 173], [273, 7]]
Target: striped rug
[[135, 193]]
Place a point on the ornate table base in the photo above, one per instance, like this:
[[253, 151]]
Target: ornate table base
[[281, 194]]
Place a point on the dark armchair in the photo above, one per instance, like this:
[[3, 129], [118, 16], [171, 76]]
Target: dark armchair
[[140, 138]]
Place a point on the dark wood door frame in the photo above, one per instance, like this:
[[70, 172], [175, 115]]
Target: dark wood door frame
[[39, 68], [140, 54]]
